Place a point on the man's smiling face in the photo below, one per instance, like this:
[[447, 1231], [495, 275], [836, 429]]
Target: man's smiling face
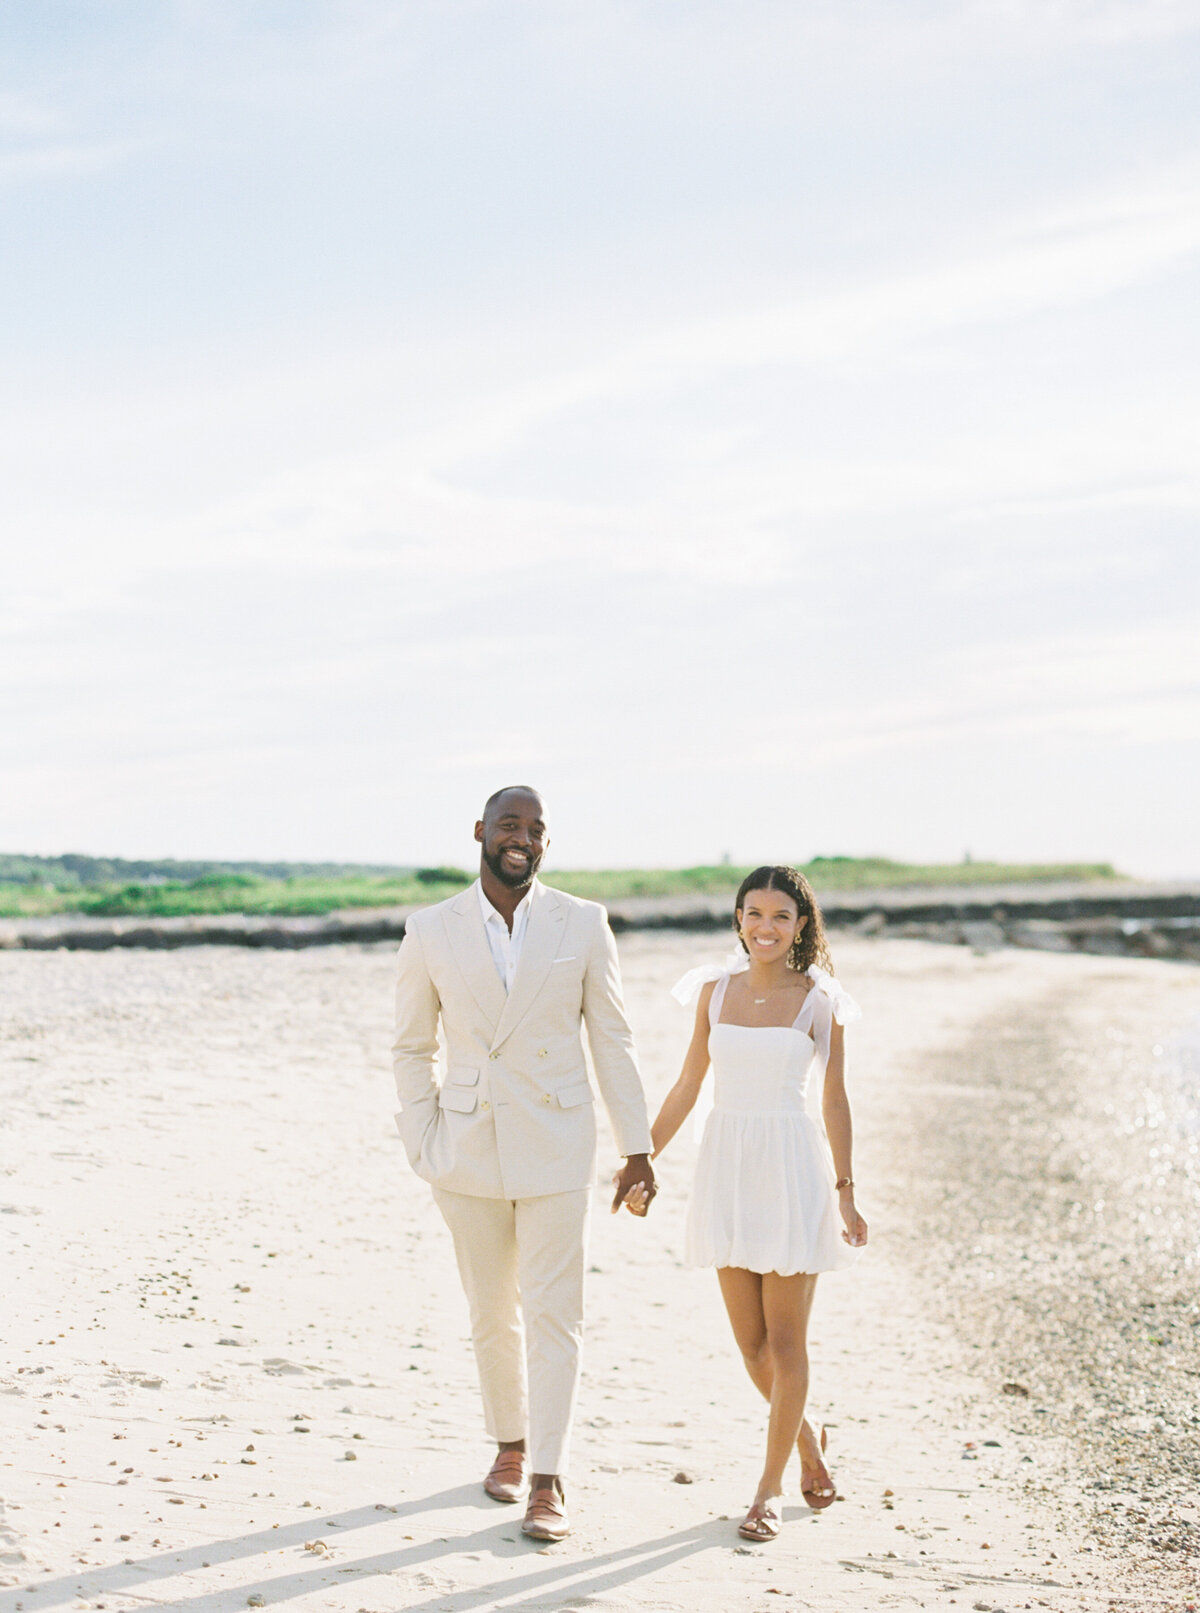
[[512, 833]]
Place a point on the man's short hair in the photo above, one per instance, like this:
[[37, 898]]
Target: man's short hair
[[510, 789]]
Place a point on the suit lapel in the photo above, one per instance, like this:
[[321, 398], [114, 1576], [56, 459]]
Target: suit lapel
[[473, 955], [543, 932]]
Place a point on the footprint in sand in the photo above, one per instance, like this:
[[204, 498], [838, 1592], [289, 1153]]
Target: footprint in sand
[[10, 1545]]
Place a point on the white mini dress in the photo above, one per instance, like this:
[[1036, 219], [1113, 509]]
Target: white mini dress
[[764, 1197]]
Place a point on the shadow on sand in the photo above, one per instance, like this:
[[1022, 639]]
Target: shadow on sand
[[500, 1538]]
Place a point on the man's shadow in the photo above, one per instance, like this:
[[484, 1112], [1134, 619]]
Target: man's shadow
[[500, 1539]]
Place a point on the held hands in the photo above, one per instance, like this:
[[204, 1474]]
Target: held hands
[[634, 1185]]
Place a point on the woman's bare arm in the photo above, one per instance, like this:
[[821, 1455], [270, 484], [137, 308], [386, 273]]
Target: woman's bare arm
[[835, 1106], [681, 1100]]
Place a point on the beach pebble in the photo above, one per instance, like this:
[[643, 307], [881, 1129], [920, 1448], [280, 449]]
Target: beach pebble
[[682, 1478], [256, 1600]]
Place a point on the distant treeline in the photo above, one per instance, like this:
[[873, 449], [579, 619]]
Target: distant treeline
[[74, 871], [116, 887]]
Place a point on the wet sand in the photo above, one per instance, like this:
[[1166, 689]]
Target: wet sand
[[236, 1362]]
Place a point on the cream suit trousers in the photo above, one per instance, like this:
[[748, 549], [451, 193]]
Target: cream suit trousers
[[521, 1263]]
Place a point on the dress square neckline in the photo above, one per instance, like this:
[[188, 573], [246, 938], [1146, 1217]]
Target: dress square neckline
[[715, 1021]]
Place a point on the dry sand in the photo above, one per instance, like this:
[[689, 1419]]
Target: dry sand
[[236, 1363]]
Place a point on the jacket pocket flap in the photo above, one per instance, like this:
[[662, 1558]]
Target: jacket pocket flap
[[571, 1097], [461, 1099]]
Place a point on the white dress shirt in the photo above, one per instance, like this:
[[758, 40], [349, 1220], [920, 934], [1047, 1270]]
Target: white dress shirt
[[506, 948]]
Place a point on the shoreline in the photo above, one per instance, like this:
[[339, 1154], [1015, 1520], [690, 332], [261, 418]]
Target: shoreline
[[1124, 919]]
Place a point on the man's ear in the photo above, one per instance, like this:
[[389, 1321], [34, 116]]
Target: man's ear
[[479, 831]]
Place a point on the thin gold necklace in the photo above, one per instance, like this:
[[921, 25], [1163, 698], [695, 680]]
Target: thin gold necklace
[[758, 1001]]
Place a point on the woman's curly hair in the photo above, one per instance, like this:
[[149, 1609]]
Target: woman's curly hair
[[810, 946]]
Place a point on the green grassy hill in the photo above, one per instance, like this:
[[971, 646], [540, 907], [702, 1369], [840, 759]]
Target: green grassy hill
[[112, 887]]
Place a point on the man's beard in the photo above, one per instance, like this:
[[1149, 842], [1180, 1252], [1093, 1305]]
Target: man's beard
[[506, 876]]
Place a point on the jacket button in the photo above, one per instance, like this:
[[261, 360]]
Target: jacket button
[[485, 1104], [542, 1053], [493, 1055], [545, 1097]]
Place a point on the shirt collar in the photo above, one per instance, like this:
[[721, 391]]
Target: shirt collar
[[490, 913]]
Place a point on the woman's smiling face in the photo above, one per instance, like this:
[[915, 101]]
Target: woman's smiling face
[[770, 922]]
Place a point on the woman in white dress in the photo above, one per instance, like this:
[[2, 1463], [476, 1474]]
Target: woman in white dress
[[770, 1208]]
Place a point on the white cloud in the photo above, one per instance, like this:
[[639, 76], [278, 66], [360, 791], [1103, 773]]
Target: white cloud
[[1108, 22], [70, 160], [1137, 687], [812, 389]]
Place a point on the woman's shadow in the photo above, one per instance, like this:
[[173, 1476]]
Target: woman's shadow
[[499, 1539]]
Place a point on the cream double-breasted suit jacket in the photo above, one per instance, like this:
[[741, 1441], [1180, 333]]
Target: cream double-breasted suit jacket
[[510, 1114]]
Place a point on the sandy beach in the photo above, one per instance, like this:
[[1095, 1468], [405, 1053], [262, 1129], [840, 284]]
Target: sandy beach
[[236, 1369]]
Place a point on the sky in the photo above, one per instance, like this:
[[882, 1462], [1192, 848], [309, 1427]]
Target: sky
[[771, 429]]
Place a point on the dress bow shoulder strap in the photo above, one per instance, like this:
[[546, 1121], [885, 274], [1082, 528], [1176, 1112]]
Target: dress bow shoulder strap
[[843, 1006], [688, 987]]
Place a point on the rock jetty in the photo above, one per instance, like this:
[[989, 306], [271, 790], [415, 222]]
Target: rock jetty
[[1120, 919]]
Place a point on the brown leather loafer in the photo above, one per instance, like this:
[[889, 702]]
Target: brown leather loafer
[[546, 1516], [506, 1481]]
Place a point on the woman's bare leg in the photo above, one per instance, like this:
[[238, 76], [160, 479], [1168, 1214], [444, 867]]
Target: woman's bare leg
[[787, 1304], [742, 1292], [769, 1316]]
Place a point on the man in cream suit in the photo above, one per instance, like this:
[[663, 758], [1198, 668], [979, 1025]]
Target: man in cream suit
[[507, 1137]]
